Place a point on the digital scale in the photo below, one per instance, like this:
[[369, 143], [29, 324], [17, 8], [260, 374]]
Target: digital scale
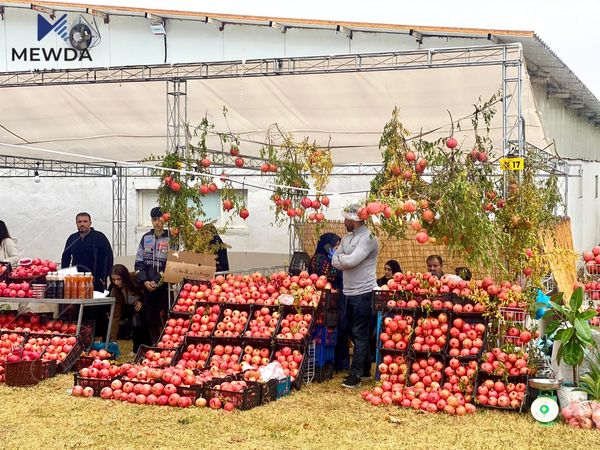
[[545, 408]]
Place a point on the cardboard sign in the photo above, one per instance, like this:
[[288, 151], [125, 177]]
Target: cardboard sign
[[192, 266]]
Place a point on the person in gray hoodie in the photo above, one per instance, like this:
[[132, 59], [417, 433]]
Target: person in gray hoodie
[[357, 258]]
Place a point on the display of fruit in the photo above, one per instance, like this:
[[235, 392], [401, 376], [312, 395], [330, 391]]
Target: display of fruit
[[501, 363], [174, 332], [263, 324], [204, 321], [158, 359], [233, 323], [3, 268], [55, 348], [100, 369], [226, 358], [393, 368], [592, 260], [499, 394], [290, 360], [16, 290], [460, 377], [191, 293], [431, 334], [32, 268], [98, 354], [195, 356], [294, 326], [434, 400], [256, 356], [228, 395], [21, 354], [426, 373], [592, 290], [466, 338], [396, 332]]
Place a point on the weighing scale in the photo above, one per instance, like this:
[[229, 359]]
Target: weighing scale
[[545, 408]]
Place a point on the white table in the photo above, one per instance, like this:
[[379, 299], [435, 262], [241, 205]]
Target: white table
[[72, 301]]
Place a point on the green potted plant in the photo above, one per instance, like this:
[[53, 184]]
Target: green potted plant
[[590, 381], [572, 327]]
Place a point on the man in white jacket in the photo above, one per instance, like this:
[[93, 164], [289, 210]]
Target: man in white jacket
[[357, 258]]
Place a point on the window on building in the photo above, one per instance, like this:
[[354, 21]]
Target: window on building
[[580, 183]]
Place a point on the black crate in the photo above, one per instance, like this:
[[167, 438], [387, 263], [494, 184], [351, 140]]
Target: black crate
[[380, 298], [394, 353], [196, 301], [405, 313], [239, 307], [417, 358], [71, 358], [96, 384], [190, 340], [268, 391], [324, 373], [243, 400], [470, 320], [297, 382], [481, 377], [141, 354], [253, 310], [421, 314], [299, 263], [293, 310]]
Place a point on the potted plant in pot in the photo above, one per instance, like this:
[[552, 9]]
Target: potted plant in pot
[[572, 328]]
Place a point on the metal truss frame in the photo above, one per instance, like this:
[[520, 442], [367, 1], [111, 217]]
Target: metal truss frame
[[485, 55]]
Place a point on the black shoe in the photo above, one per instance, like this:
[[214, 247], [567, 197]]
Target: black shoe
[[351, 382]]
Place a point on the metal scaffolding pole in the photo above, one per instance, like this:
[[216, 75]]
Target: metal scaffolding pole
[[177, 134], [119, 216]]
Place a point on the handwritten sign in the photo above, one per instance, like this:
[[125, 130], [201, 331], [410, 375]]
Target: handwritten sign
[[512, 163], [191, 266]]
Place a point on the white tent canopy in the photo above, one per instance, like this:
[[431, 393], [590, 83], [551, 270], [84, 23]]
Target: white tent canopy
[[347, 110]]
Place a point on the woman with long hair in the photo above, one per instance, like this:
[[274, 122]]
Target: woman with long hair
[[8, 247], [390, 268], [128, 305]]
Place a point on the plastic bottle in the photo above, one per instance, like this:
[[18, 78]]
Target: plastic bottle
[[68, 285], [81, 285], [50, 286], [60, 286], [89, 278]]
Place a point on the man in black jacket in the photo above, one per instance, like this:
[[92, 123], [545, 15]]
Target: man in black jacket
[[90, 251], [150, 262]]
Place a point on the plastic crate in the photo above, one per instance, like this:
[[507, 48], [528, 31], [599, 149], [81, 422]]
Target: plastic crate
[[23, 373], [416, 359], [324, 335], [268, 391], [292, 310], [189, 340], [96, 384], [484, 338], [141, 354], [284, 386], [381, 328], [516, 316], [433, 314], [233, 307], [196, 301], [71, 358], [254, 308], [299, 263], [297, 382], [48, 369], [380, 298], [324, 373], [407, 357], [243, 400], [481, 377], [324, 354]]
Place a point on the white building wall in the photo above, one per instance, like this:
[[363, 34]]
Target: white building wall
[[584, 205]]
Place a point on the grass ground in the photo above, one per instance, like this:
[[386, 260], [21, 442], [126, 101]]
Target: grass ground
[[319, 416]]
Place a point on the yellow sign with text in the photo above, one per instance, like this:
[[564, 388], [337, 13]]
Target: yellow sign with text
[[512, 163]]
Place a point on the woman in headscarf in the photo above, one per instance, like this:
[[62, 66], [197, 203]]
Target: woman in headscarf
[[320, 263], [391, 267]]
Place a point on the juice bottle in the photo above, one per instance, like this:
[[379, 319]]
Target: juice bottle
[[80, 285], [60, 286], [68, 285], [89, 285]]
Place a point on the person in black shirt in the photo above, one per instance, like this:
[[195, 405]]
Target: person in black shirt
[[90, 251], [391, 267]]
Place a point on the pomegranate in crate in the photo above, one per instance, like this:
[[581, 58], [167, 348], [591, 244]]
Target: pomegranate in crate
[[174, 332], [431, 333], [393, 368], [501, 363], [426, 372], [290, 360], [466, 338], [263, 324], [195, 356], [226, 358], [396, 332], [295, 326], [204, 321], [232, 324]]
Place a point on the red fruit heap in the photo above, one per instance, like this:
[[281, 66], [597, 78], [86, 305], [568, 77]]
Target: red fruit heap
[[430, 334], [396, 332], [37, 268], [499, 394], [195, 356], [592, 290], [500, 363], [290, 360], [466, 339], [226, 359], [426, 373], [592, 260], [294, 326], [157, 359], [101, 370], [232, 324], [188, 297], [204, 321], [174, 333], [16, 290], [98, 354], [263, 324], [53, 348], [224, 395], [460, 377], [393, 368], [256, 356]]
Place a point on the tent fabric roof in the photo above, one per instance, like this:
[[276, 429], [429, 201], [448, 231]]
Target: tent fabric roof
[[344, 110]]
